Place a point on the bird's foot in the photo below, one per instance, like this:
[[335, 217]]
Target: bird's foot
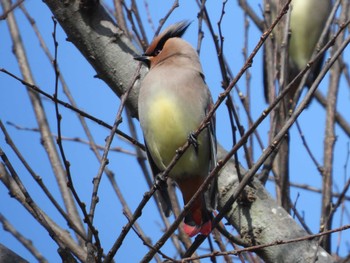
[[160, 180], [192, 138]]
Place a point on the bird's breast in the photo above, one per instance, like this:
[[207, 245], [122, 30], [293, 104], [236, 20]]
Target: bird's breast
[[169, 125], [170, 120]]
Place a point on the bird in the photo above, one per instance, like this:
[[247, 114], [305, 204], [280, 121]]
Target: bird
[[173, 101], [307, 21]]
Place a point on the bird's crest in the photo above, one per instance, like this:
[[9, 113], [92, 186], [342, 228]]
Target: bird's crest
[[175, 30]]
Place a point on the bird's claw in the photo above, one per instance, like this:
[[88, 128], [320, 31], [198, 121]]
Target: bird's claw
[[193, 140], [161, 181]]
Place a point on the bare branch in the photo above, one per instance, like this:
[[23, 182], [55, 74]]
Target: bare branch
[[41, 118]]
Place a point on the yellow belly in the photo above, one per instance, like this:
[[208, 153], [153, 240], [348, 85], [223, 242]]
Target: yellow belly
[[169, 128]]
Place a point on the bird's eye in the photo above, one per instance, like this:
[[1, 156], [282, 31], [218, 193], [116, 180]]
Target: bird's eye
[[156, 52]]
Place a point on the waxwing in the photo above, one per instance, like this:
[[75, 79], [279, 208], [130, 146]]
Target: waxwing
[[173, 101], [307, 21]]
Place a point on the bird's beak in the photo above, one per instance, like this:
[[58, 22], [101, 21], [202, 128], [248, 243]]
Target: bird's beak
[[142, 58], [145, 59]]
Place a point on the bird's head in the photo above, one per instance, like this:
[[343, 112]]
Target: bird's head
[[168, 45]]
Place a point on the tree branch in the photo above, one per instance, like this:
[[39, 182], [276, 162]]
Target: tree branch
[[111, 54]]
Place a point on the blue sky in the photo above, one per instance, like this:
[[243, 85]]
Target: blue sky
[[93, 96]]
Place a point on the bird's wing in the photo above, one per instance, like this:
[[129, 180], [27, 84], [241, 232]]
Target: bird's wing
[[162, 195], [211, 194]]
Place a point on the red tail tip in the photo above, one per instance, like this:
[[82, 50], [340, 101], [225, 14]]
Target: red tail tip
[[204, 229], [191, 231]]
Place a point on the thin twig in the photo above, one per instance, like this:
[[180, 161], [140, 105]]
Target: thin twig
[[329, 143], [28, 244], [134, 9], [39, 180], [147, 243], [343, 203], [250, 173], [62, 152], [75, 139], [307, 148], [250, 12], [311, 189], [41, 118], [10, 9], [338, 117], [221, 163], [276, 243], [69, 106], [104, 160], [167, 15], [200, 34], [59, 235]]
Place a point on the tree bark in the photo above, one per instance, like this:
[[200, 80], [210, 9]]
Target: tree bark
[[8, 256]]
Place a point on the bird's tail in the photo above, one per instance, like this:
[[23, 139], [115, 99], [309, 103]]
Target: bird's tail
[[198, 220]]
